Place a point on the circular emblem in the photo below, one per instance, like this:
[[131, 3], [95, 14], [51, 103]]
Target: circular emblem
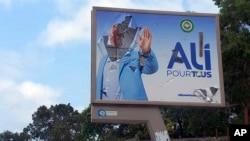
[[101, 113], [187, 25]]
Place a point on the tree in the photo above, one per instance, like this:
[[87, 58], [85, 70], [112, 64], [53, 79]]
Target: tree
[[59, 122], [9, 136], [235, 42], [194, 122], [204, 122], [89, 131]]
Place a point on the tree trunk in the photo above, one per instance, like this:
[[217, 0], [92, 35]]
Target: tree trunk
[[246, 114]]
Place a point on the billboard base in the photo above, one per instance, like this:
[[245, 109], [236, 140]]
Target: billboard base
[[132, 115]]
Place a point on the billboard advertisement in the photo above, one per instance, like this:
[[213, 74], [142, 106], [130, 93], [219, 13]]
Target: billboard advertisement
[[155, 57]]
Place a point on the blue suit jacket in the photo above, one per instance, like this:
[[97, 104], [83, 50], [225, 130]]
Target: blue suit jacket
[[129, 75]]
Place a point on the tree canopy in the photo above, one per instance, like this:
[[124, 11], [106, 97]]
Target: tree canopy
[[59, 122], [235, 42]]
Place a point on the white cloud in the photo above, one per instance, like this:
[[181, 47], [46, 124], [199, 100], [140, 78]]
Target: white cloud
[[5, 3], [74, 21], [64, 30], [9, 3], [10, 65], [21, 100], [40, 94], [15, 65], [206, 6], [69, 26]]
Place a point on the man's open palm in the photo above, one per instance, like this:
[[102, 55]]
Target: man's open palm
[[145, 40]]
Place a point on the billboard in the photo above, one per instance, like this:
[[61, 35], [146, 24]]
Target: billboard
[[156, 58]]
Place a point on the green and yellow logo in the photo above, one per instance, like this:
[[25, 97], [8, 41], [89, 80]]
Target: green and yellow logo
[[187, 25]]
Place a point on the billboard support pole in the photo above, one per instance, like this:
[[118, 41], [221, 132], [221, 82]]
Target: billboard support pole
[[156, 126], [132, 115]]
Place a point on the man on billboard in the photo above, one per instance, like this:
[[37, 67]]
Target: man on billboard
[[119, 72]]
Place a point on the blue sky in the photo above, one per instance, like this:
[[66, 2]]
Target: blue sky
[[45, 52]]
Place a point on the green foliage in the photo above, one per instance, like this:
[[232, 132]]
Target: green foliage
[[194, 122], [203, 122], [62, 122], [138, 131], [235, 42], [169, 120], [59, 122], [9, 136], [89, 130]]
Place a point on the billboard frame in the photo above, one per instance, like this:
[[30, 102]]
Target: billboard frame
[[152, 103]]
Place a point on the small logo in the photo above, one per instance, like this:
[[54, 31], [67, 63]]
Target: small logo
[[187, 25], [239, 132], [101, 113]]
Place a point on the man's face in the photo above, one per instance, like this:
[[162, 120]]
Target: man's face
[[121, 37], [116, 36]]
